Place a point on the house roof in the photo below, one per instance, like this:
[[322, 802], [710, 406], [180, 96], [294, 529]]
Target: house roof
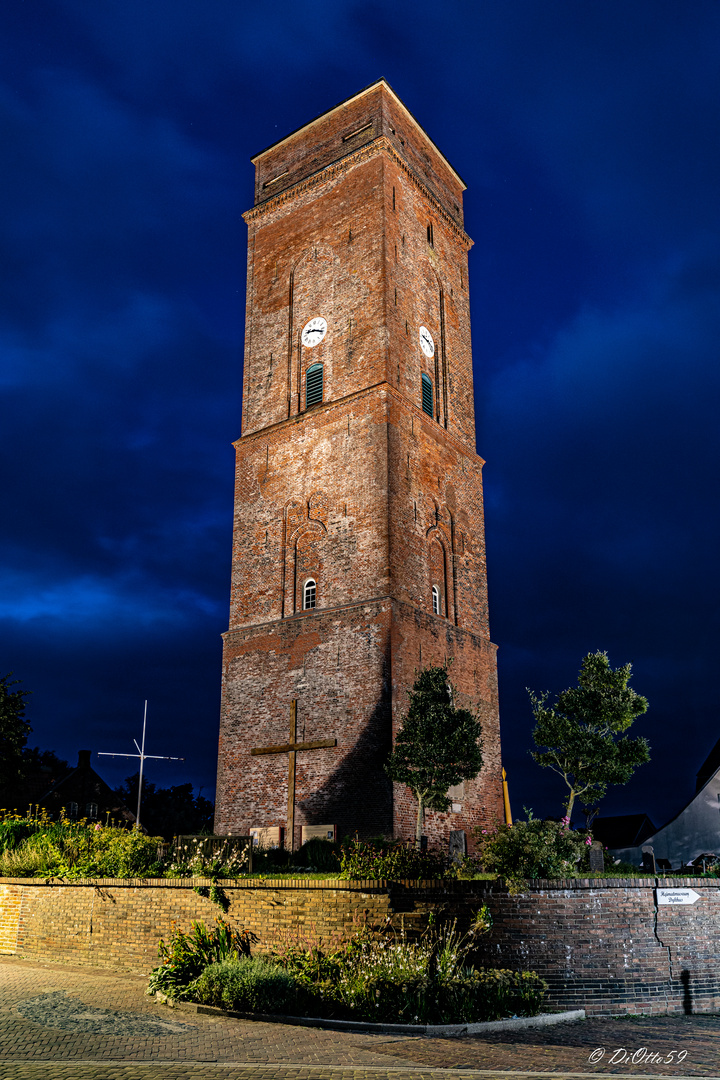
[[622, 830]]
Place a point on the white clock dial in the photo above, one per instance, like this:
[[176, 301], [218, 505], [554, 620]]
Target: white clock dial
[[314, 331], [426, 341]]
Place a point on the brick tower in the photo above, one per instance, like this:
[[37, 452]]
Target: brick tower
[[359, 551]]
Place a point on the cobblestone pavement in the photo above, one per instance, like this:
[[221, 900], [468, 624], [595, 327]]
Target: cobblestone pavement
[[70, 1023]]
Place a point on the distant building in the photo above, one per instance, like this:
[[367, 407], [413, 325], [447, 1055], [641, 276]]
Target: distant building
[[82, 793], [693, 832]]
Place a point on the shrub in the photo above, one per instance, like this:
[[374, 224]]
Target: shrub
[[320, 854], [392, 979], [13, 830], [390, 860], [82, 849], [369, 977], [187, 954], [533, 849], [245, 984]]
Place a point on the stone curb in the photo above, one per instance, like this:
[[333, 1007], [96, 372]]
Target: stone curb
[[510, 1024]]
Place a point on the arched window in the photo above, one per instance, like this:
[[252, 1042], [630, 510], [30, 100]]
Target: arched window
[[309, 594], [91, 811], [427, 394], [72, 811], [314, 385], [436, 600]]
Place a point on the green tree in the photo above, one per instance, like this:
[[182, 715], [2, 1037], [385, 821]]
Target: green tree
[[438, 746], [14, 731], [580, 737]]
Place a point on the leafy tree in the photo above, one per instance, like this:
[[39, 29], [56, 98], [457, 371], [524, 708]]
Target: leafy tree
[[168, 812], [14, 731], [438, 746], [579, 737]]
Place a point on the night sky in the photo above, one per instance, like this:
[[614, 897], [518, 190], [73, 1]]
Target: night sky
[[588, 134]]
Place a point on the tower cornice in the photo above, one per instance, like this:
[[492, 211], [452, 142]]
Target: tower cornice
[[330, 172], [327, 406]]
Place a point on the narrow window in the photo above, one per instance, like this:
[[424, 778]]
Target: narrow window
[[314, 385], [436, 600], [91, 811], [393, 198], [427, 394], [358, 131], [309, 595], [280, 176], [430, 234]]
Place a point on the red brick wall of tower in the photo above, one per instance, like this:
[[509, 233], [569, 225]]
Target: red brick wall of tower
[[358, 220]]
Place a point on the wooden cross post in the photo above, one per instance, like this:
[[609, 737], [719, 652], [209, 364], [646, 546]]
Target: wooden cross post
[[291, 748]]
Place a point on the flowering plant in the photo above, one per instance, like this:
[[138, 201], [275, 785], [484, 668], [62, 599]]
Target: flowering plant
[[533, 849]]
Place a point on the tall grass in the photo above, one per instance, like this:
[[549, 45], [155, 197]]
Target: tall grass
[[76, 849]]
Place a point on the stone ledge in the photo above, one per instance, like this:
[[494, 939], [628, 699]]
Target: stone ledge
[[374, 884], [513, 1023]]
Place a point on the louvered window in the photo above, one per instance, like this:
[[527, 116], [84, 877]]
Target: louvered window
[[314, 385], [427, 395]]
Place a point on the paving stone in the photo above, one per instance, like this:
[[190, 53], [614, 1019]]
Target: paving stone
[[59, 1022]]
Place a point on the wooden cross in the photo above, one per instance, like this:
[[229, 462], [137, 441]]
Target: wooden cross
[[291, 748]]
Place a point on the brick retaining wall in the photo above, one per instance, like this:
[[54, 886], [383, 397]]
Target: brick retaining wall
[[601, 945]]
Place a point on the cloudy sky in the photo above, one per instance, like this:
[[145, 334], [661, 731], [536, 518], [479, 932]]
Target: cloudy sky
[[587, 134]]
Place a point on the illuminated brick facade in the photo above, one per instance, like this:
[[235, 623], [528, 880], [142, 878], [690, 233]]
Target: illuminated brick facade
[[364, 496]]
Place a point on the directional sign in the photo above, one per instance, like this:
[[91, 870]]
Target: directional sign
[[677, 896]]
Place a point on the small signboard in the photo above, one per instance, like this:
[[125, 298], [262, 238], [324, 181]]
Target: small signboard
[[325, 832], [677, 896], [268, 837]]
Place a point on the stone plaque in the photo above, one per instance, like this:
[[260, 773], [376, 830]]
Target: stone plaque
[[458, 844], [597, 859], [270, 836], [325, 832]]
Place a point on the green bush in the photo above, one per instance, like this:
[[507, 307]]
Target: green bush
[[320, 854], [13, 830], [392, 860], [533, 849], [187, 954], [396, 980], [267, 860], [82, 849], [246, 984]]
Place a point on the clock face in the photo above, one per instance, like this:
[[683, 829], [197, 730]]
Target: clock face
[[314, 331], [426, 341]]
